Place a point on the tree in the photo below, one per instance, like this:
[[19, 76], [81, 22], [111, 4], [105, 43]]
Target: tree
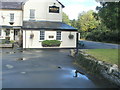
[[109, 14], [73, 23], [65, 18], [87, 21]]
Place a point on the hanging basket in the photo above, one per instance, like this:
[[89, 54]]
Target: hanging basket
[[31, 36], [11, 23], [71, 36]]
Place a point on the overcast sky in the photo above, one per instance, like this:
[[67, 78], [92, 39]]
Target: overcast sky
[[74, 7]]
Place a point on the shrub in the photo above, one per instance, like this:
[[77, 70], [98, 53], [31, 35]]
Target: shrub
[[7, 38], [12, 41], [51, 43], [4, 41]]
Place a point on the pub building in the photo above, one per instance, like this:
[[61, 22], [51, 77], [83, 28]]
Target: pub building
[[33, 22]]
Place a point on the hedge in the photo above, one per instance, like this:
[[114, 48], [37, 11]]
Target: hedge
[[51, 43]]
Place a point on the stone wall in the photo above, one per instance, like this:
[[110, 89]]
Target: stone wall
[[108, 71], [6, 45]]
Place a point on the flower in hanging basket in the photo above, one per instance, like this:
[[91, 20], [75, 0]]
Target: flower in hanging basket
[[71, 36], [31, 36]]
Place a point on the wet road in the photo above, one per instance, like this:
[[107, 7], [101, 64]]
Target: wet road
[[99, 45], [45, 69]]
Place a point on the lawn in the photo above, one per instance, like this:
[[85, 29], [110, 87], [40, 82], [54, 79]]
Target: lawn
[[107, 55]]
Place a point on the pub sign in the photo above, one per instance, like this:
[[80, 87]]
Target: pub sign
[[53, 9]]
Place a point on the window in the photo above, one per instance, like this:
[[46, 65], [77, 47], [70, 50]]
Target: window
[[42, 35], [11, 17], [32, 13], [58, 37]]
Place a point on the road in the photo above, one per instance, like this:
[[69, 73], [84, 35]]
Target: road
[[98, 45], [45, 69]]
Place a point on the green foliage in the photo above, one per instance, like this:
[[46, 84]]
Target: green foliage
[[109, 14], [108, 28], [7, 38], [51, 43], [65, 18], [5, 41], [102, 26], [102, 33], [87, 21], [74, 23], [12, 41]]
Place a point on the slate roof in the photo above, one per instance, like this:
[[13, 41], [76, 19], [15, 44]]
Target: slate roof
[[11, 5], [47, 25], [61, 4]]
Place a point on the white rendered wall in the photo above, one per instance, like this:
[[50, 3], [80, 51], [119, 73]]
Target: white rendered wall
[[6, 14], [42, 10], [2, 34], [11, 35], [36, 43]]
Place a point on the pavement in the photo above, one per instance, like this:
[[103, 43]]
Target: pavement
[[98, 45], [45, 69]]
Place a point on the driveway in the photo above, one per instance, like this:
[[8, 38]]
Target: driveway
[[45, 69], [98, 45]]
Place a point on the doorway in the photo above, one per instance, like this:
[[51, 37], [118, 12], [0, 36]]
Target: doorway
[[16, 34]]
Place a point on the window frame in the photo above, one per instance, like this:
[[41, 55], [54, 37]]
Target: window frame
[[32, 14], [58, 35], [42, 35], [12, 17]]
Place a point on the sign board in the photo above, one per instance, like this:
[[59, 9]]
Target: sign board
[[53, 9]]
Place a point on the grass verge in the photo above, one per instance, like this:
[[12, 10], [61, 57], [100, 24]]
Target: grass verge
[[107, 55]]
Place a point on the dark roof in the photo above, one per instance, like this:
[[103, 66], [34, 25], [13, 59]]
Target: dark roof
[[7, 27], [11, 5], [61, 4], [38, 25]]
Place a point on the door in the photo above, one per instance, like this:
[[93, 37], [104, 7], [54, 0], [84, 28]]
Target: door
[[16, 34]]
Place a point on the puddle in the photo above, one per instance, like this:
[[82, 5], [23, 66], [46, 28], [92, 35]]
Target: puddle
[[23, 72], [38, 51], [21, 51], [75, 74], [10, 52], [59, 67], [21, 59], [9, 66], [78, 74]]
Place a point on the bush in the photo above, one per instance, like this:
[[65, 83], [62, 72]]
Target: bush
[[51, 43], [105, 35], [7, 38], [4, 41], [12, 41]]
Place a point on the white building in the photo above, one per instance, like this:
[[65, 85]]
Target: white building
[[36, 22]]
